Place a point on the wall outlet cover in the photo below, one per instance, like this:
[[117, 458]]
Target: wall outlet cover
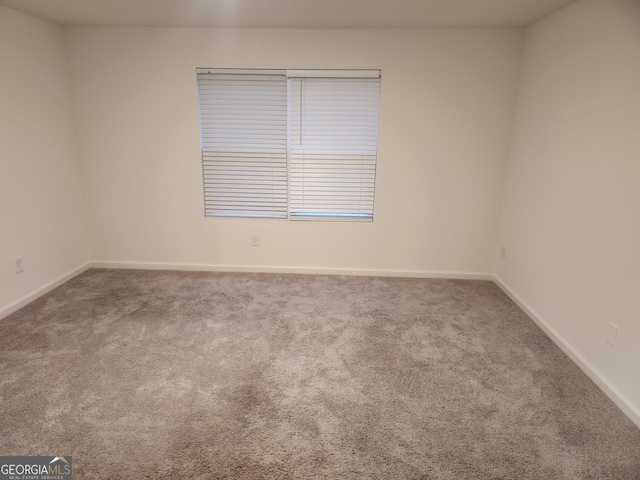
[[612, 334]]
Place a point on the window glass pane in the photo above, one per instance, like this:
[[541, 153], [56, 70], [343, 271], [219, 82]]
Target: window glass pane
[[243, 122], [333, 142]]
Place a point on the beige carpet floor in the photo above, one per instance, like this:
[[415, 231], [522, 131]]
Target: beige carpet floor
[[177, 375]]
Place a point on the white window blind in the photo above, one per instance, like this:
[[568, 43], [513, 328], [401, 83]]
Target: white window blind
[[243, 124], [333, 141]]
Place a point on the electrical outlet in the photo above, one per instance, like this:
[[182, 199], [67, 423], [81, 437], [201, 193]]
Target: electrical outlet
[[255, 240], [612, 334], [19, 265], [503, 252]]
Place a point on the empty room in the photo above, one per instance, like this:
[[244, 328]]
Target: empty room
[[334, 239]]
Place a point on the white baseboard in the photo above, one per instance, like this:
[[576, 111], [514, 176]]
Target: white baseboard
[[295, 270], [612, 392], [21, 302]]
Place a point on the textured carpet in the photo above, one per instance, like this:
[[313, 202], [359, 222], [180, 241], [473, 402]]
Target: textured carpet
[[141, 374]]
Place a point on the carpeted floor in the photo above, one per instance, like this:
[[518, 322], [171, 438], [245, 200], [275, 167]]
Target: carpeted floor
[[147, 374]]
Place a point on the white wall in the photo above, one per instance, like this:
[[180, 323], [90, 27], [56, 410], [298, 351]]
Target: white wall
[[41, 206], [448, 98], [571, 210]]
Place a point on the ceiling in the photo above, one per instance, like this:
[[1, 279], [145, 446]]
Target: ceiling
[[292, 13]]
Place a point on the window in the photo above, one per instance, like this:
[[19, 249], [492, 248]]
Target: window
[[243, 129], [289, 144]]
